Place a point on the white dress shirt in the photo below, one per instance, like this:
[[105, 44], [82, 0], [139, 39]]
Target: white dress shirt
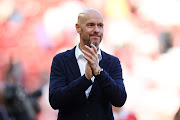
[[82, 64]]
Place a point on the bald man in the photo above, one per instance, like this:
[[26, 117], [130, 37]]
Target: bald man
[[85, 81]]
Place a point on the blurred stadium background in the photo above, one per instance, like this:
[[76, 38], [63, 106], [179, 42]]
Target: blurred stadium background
[[143, 34]]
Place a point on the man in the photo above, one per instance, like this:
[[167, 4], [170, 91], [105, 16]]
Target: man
[[85, 82]]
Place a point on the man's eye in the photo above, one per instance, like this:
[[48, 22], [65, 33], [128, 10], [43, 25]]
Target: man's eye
[[101, 25], [90, 24]]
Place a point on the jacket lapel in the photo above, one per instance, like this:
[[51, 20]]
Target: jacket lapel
[[72, 63], [104, 63]]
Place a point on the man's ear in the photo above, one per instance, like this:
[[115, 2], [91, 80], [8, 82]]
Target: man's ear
[[78, 29]]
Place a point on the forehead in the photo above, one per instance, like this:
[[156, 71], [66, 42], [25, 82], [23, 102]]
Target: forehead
[[92, 16]]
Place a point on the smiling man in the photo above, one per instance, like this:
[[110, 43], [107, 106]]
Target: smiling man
[[85, 82], [90, 27]]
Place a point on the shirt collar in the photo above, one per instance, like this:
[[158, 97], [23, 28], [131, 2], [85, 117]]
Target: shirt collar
[[79, 54]]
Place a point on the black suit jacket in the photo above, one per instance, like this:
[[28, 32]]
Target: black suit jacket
[[67, 88]]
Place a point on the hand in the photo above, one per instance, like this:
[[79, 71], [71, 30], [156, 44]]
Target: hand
[[90, 54], [88, 71]]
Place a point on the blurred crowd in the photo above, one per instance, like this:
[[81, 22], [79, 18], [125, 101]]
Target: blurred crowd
[[143, 34]]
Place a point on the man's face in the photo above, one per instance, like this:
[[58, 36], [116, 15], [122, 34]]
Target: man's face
[[91, 29]]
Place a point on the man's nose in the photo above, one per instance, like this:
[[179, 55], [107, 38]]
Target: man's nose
[[96, 29]]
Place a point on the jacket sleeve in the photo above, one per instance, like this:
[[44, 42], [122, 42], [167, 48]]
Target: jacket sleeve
[[62, 94], [112, 84]]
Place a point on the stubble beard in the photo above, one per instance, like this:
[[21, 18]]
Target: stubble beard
[[88, 42]]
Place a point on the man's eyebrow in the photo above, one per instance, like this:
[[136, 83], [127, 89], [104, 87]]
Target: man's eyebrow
[[90, 23]]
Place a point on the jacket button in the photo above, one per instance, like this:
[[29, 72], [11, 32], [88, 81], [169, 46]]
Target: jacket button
[[87, 115], [88, 102]]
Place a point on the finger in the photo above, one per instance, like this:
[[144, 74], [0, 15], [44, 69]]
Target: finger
[[89, 57], [94, 48], [87, 53], [91, 50], [90, 61]]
